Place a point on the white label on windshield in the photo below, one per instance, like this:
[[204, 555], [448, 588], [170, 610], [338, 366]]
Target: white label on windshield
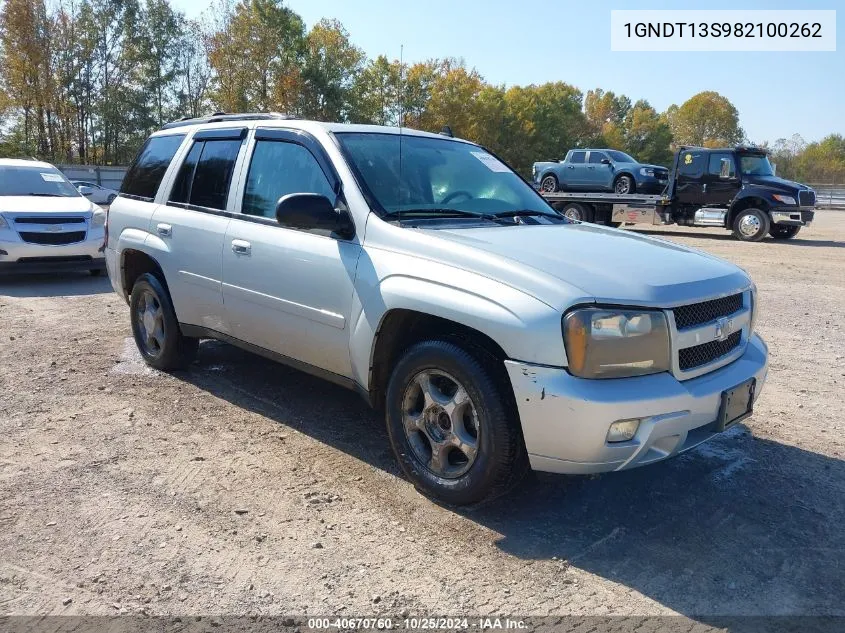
[[52, 177], [492, 163]]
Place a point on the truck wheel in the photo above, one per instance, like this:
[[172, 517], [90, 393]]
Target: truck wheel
[[453, 425], [549, 184], [155, 327], [578, 212], [624, 184], [751, 225], [781, 232]]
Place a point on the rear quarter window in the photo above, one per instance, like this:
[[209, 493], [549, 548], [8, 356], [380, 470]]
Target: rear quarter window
[[145, 174]]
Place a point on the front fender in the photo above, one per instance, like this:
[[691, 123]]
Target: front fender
[[524, 327]]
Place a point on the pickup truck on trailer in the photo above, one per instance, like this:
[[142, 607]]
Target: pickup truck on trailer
[[733, 188]]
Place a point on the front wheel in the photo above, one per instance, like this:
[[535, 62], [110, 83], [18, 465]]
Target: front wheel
[[155, 327], [781, 232], [452, 424], [751, 225], [624, 185]]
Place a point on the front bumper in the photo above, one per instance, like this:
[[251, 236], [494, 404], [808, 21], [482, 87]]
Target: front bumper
[[792, 216], [650, 184], [18, 257], [565, 419]]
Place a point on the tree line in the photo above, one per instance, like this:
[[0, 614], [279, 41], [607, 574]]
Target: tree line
[[85, 81]]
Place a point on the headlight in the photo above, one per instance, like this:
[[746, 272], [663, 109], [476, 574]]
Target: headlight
[[613, 343], [784, 199], [647, 171], [98, 218]]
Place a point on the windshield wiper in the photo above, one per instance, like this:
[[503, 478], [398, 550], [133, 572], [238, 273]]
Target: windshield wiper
[[521, 213], [433, 213]]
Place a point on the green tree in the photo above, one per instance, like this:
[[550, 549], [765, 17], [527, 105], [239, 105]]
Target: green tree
[[376, 93], [647, 136], [707, 119], [823, 161], [331, 66]]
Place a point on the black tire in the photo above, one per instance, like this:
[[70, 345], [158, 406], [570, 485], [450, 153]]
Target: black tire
[[96, 272], [549, 184], [169, 350], [781, 232], [577, 211], [500, 460], [624, 185], [751, 225]]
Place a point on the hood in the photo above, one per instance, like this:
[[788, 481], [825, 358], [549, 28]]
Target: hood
[[606, 265], [44, 204], [774, 183]]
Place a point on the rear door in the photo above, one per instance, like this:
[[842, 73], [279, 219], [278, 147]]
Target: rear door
[[719, 189], [288, 290], [192, 224], [575, 170], [692, 164]]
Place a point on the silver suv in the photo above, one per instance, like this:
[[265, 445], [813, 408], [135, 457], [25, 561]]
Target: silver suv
[[421, 271]]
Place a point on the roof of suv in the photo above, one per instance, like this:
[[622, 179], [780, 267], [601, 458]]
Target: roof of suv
[[283, 121], [24, 162]]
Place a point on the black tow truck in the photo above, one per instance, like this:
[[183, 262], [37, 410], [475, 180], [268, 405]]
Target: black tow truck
[[733, 188]]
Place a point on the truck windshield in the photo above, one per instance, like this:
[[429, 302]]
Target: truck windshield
[[756, 165], [621, 157], [437, 176], [35, 181]]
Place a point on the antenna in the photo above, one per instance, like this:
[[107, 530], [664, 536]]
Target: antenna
[[399, 98]]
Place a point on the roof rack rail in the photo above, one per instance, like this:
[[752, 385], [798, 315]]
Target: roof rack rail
[[218, 117]]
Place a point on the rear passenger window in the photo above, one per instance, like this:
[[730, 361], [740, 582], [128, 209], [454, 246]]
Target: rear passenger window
[[206, 174], [144, 175], [691, 163], [577, 157], [278, 169]]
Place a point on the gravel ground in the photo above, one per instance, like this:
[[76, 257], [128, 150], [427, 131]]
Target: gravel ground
[[245, 487]]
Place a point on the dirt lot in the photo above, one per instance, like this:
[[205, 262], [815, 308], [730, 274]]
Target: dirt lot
[[246, 487]]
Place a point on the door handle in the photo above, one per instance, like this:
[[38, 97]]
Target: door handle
[[165, 230], [571, 167], [704, 188], [241, 247]]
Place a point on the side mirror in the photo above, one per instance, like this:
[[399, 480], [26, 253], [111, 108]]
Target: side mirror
[[313, 211], [85, 190], [605, 161], [725, 168]]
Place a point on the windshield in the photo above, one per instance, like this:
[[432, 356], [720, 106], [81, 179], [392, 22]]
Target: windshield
[[621, 157], [35, 181], [756, 165], [437, 176]]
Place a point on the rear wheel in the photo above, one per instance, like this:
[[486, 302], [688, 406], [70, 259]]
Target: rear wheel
[[780, 232], [578, 212], [624, 184], [549, 184], [751, 225], [155, 327], [452, 424]]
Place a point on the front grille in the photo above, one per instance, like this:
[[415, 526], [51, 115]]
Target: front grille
[[807, 198], [50, 220], [52, 260], [662, 175], [53, 239], [699, 313], [692, 357]]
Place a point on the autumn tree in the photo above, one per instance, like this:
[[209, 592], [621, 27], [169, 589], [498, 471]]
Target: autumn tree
[[377, 92], [707, 119], [646, 136]]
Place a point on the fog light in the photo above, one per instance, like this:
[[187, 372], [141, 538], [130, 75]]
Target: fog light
[[623, 430]]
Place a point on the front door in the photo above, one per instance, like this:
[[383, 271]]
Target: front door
[[719, 185], [692, 163], [286, 290]]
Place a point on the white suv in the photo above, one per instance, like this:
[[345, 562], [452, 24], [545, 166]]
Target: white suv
[[46, 225], [421, 271]]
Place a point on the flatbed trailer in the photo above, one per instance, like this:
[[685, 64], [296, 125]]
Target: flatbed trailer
[[707, 188]]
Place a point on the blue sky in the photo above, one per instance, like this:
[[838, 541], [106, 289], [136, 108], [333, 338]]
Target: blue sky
[[509, 42]]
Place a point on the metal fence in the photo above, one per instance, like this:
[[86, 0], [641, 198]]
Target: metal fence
[[829, 196], [105, 176]]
